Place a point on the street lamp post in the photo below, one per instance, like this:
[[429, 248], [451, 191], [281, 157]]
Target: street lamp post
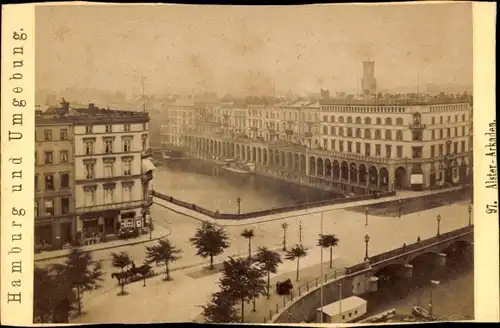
[[284, 226], [431, 305], [367, 239], [438, 219], [340, 302], [470, 214], [150, 227], [366, 216], [399, 208], [300, 230], [238, 200]]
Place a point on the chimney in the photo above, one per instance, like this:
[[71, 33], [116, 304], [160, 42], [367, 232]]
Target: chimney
[[91, 106]]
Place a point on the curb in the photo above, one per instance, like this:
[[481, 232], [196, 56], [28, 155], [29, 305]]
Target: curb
[[313, 211], [109, 247]]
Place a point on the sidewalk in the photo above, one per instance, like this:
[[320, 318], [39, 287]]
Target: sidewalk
[[158, 233], [228, 223]]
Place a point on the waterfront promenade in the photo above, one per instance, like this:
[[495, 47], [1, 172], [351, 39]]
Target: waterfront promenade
[[181, 299]]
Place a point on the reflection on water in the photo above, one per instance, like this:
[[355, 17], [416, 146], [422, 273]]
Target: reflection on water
[[208, 185], [452, 298]]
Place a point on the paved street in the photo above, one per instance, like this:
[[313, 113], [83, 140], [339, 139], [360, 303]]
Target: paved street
[[167, 301]]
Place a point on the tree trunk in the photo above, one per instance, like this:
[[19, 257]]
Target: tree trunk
[[144, 285], [284, 240], [268, 283], [249, 248], [242, 310], [78, 299], [298, 260], [331, 258], [167, 270], [211, 262]]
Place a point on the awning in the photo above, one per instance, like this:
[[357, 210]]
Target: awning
[[147, 165]]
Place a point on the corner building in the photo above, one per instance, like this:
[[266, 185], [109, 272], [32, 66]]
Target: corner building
[[399, 145], [111, 170]]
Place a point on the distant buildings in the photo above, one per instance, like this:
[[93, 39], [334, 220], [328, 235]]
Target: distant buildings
[[92, 173], [354, 145]]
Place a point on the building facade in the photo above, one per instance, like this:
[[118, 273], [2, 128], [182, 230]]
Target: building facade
[[353, 145], [108, 166], [54, 182]]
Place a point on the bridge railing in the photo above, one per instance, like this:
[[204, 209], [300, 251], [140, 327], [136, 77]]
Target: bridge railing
[[299, 291], [423, 243]]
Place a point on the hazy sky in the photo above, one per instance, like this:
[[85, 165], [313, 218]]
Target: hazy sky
[[234, 49]]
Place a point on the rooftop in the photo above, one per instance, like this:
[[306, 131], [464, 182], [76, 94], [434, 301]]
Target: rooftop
[[65, 114]]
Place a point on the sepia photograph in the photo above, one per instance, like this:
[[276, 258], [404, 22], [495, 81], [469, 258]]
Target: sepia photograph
[[254, 164]]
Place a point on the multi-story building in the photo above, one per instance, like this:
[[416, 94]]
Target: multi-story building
[[369, 82], [109, 172], [181, 115], [353, 144], [54, 181]]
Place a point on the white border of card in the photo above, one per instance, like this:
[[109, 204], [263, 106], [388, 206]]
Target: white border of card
[[17, 186]]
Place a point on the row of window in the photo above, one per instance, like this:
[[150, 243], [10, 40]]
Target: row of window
[[49, 207], [355, 147], [363, 109], [358, 120], [441, 133], [109, 194], [48, 136], [48, 157], [358, 133], [109, 169], [49, 182], [109, 145]]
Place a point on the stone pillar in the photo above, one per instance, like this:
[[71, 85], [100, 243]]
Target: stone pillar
[[441, 259], [348, 175], [56, 233], [373, 287], [307, 166], [408, 270]]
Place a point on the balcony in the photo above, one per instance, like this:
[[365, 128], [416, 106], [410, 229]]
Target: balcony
[[148, 176], [417, 126], [108, 207], [146, 153]]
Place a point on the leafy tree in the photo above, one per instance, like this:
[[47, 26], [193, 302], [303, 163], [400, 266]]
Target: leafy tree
[[330, 241], [243, 281], [121, 261], [52, 297], [210, 241], [248, 234], [81, 272], [269, 261], [220, 309], [164, 252], [297, 252]]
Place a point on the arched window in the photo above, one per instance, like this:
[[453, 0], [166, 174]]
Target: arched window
[[349, 119], [399, 121], [416, 118], [388, 135], [367, 134], [378, 134], [399, 135], [358, 133], [341, 131], [332, 130], [388, 121], [379, 120], [332, 119], [349, 132], [368, 120], [341, 119], [358, 120], [325, 130], [433, 120]]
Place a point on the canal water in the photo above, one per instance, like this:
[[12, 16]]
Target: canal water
[[452, 298], [208, 185]]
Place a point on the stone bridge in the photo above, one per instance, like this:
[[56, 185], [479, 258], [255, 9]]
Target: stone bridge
[[363, 278]]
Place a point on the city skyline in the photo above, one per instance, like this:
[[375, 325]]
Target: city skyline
[[424, 43]]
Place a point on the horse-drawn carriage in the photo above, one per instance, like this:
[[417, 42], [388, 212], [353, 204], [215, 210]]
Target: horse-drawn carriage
[[133, 274], [284, 287]]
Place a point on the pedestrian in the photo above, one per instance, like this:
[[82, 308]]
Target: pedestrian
[[418, 239]]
